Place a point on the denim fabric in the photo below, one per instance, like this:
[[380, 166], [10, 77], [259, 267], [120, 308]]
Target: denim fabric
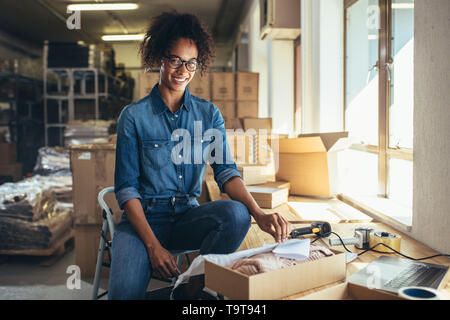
[[159, 153], [214, 227]]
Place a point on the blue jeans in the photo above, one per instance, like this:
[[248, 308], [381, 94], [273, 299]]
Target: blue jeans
[[215, 227]]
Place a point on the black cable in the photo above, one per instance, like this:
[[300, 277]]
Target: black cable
[[341, 241], [403, 255], [317, 238]]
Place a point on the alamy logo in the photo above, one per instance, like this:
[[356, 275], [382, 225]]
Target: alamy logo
[[373, 18], [74, 20], [208, 146], [374, 280], [74, 280]]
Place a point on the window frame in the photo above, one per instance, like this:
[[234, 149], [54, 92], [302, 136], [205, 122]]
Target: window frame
[[384, 152]]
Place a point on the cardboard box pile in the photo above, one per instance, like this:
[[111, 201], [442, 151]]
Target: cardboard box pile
[[92, 168], [10, 169], [200, 86]]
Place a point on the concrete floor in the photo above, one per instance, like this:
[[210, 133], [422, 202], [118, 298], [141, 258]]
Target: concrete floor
[[23, 278]]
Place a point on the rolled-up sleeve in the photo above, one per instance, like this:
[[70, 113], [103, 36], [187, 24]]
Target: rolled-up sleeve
[[223, 171], [126, 175]]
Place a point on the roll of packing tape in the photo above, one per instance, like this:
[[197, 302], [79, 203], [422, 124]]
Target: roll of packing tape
[[419, 293], [389, 239]]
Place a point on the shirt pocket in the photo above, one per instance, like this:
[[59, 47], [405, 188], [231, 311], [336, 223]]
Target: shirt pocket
[[156, 153]]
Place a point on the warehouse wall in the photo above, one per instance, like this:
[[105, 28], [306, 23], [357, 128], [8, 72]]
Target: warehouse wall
[[281, 73], [258, 57], [431, 217], [274, 61]]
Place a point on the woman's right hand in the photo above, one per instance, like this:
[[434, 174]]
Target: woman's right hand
[[163, 262]]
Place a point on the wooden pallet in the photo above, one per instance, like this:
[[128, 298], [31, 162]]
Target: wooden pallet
[[52, 254]]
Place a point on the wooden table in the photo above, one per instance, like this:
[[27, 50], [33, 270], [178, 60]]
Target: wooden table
[[409, 246]]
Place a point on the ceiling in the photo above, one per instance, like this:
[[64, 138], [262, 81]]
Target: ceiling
[[39, 20]]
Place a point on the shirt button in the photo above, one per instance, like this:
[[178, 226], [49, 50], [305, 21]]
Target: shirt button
[[179, 156], [181, 177], [176, 116], [172, 118], [156, 145]]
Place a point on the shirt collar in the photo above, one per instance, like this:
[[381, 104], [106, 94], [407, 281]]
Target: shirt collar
[[159, 106]]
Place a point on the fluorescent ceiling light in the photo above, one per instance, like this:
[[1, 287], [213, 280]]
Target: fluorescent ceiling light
[[102, 6], [123, 37], [403, 6], [372, 37]]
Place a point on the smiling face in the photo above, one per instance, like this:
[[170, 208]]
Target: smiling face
[[178, 79]]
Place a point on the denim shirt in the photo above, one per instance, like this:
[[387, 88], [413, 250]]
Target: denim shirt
[[159, 154]]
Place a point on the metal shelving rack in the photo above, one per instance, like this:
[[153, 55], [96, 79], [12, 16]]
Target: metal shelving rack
[[72, 74], [14, 102]]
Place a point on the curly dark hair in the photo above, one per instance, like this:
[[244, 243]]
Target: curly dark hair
[[167, 28]]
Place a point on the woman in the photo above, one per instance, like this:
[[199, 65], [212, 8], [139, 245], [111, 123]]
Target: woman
[[156, 185]]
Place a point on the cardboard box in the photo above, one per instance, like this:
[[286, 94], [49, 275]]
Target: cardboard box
[[233, 123], [252, 174], [200, 86], [92, 168], [350, 291], [223, 86], [242, 147], [275, 184], [310, 163], [147, 81], [267, 148], [269, 198], [8, 152], [257, 124], [204, 196], [87, 240], [276, 284], [227, 109], [247, 86], [247, 109], [13, 170]]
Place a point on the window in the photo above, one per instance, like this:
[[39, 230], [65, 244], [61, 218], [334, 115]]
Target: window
[[379, 97]]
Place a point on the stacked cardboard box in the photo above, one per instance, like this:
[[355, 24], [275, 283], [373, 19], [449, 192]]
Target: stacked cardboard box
[[10, 169], [200, 86], [247, 94], [92, 168], [224, 97]]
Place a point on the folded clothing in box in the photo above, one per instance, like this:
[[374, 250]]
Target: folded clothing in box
[[270, 261]]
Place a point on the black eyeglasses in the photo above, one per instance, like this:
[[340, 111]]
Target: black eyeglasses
[[176, 62]]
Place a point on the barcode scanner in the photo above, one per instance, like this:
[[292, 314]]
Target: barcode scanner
[[321, 229]]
